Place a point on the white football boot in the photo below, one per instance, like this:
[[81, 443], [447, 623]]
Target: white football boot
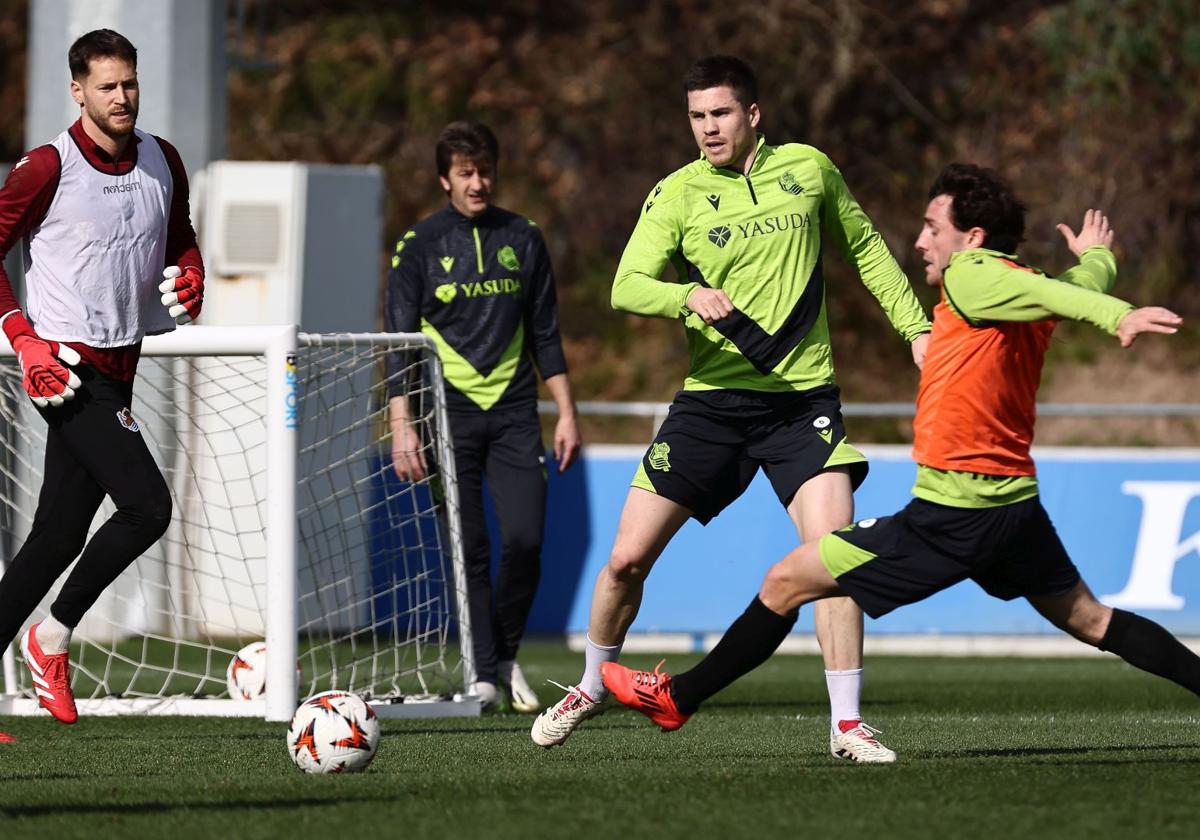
[[523, 698], [856, 741], [553, 726]]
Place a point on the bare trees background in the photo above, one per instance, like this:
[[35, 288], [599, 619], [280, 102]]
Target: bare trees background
[[1080, 103]]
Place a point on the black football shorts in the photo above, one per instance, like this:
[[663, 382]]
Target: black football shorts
[[1011, 551], [713, 442]]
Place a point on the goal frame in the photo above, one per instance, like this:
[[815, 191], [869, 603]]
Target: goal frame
[[278, 344]]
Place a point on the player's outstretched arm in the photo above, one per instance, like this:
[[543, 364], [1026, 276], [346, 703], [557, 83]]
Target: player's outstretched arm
[[1148, 319], [984, 289]]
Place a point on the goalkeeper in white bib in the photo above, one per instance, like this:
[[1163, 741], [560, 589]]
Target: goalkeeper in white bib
[[110, 256]]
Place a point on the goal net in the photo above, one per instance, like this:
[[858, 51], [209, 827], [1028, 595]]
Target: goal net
[[289, 525]]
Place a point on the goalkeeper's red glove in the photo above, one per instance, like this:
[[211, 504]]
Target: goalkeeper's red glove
[[46, 377], [183, 292]]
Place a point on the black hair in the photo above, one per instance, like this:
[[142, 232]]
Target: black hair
[[981, 198], [724, 71], [99, 43], [472, 140]]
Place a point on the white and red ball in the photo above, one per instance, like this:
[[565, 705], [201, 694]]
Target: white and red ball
[[333, 732], [246, 676]]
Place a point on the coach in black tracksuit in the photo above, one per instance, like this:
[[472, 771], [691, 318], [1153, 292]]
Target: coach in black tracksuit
[[477, 280]]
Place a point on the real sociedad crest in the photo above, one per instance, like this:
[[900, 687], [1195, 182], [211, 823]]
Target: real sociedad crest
[[787, 183], [125, 418]]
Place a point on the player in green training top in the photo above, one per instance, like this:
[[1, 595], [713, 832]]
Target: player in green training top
[[743, 227]]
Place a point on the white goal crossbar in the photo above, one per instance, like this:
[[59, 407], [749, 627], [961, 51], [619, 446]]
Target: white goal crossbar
[[282, 416]]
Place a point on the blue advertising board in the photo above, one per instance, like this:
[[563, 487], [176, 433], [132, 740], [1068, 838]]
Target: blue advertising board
[[1130, 519]]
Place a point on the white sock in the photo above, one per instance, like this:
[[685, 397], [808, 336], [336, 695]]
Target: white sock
[[593, 656], [53, 636], [845, 692]]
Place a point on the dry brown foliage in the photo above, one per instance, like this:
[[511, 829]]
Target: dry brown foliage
[[1081, 103]]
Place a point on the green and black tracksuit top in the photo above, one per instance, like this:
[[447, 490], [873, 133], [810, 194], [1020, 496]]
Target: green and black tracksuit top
[[757, 236], [483, 290]]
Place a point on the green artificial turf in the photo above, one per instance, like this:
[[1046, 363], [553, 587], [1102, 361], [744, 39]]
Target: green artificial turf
[[988, 748]]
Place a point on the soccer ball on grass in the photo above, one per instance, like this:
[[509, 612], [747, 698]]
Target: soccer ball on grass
[[333, 732]]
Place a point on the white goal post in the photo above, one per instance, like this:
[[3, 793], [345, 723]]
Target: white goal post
[[288, 525]]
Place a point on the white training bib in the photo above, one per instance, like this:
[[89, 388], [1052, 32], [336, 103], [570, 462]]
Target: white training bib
[[93, 265]]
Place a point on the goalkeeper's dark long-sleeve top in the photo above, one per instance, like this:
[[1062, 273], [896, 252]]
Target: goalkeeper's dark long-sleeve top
[[483, 290]]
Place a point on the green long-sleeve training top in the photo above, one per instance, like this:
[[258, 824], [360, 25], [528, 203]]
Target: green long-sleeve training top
[[758, 238], [483, 290]]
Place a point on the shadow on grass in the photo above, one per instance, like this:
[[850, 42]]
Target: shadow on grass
[[143, 737], [490, 730], [522, 729], [55, 777], [1099, 749], [133, 809], [798, 706]]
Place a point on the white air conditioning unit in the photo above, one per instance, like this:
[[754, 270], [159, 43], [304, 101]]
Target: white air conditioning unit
[[291, 243]]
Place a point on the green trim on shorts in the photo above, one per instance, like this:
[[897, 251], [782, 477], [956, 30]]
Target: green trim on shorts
[[641, 480], [844, 453], [840, 557]]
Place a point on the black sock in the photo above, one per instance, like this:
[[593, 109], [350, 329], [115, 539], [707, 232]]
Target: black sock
[[1146, 645], [748, 643]]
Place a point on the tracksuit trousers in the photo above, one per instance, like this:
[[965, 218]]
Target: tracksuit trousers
[[94, 448], [506, 447]]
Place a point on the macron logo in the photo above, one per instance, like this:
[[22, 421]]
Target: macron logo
[[120, 188]]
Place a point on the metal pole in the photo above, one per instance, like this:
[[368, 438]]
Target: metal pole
[[283, 421], [453, 523]]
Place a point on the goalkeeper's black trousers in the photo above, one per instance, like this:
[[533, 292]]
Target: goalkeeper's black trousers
[[94, 448], [506, 446]]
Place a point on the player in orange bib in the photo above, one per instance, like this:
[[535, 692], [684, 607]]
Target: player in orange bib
[[976, 514]]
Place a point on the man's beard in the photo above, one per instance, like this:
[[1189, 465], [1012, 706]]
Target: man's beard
[[105, 123]]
